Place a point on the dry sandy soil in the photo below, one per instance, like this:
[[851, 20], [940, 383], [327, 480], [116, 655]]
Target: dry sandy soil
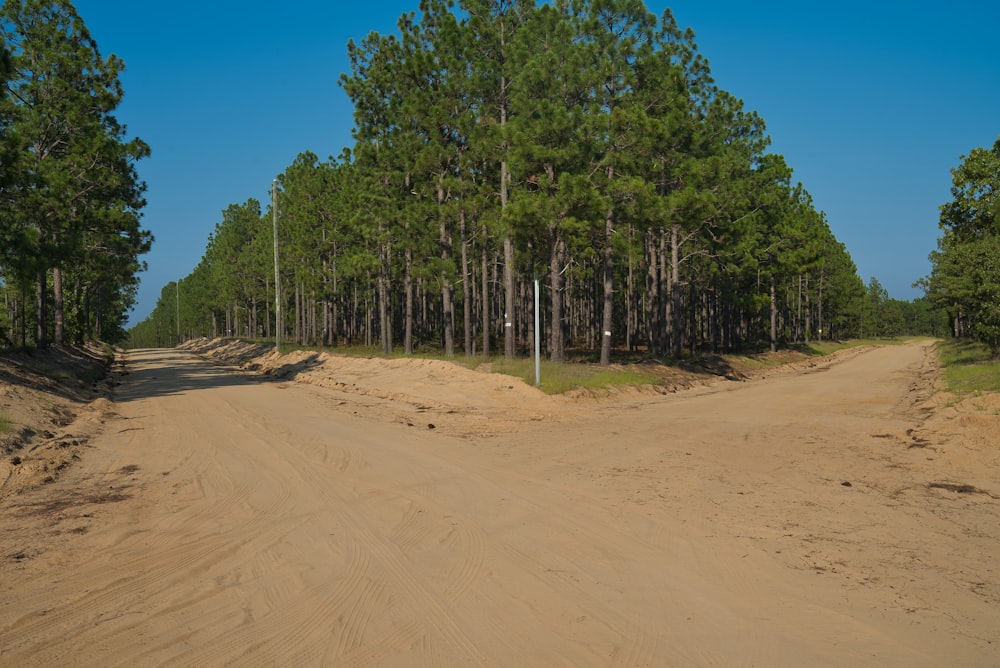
[[312, 510]]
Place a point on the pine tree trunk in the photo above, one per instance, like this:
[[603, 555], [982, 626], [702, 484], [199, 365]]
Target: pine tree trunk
[[664, 293], [421, 321], [508, 242], [447, 307], [654, 325], [267, 307], [509, 296], [313, 320], [448, 319], [808, 327], [41, 311], [298, 313], [557, 258], [334, 304], [692, 325], [714, 324], [408, 301], [486, 295], [325, 307], [675, 290], [608, 283], [58, 307], [630, 311], [466, 286], [385, 335], [774, 315], [23, 310], [820, 306]]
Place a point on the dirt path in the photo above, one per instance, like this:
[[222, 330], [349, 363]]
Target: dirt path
[[823, 518]]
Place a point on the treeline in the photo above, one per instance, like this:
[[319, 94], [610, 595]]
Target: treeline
[[583, 144], [965, 269], [70, 238], [881, 317]]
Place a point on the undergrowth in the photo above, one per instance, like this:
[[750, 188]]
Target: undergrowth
[[968, 367]]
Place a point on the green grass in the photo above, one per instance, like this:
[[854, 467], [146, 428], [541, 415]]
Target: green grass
[[5, 424], [561, 378], [968, 367]]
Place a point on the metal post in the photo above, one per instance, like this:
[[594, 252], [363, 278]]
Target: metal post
[[277, 279], [538, 339]]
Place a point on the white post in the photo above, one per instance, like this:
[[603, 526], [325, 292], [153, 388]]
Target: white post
[[538, 339]]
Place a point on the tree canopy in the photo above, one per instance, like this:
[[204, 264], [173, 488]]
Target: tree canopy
[[965, 276], [71, 195], [584, 144]]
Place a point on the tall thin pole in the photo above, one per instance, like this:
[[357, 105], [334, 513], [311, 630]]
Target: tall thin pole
[[177, 302], [538, 342], [277, 278]]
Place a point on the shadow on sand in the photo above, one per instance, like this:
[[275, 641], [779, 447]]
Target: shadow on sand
[[163, 372]]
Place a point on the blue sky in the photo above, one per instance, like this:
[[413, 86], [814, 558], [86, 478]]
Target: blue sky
[[871, 103]]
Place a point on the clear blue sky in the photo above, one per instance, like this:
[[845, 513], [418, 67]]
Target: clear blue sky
[[872, 103]]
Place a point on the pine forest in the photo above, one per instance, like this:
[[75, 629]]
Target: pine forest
[[581, 147]]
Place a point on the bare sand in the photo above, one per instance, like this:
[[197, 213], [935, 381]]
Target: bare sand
[[349, 512]]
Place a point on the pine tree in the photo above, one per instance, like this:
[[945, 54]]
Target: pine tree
[[496, 27], [965, 278], [80, 196], [550, 207]]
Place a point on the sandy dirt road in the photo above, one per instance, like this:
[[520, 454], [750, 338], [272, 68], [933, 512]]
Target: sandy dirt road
[[833, 517]]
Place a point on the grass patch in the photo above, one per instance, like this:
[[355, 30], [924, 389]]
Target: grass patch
[[562, 378], [754, 361], [5, 424], [968, 367], [955, 352]]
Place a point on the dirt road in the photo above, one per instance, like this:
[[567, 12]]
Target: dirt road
[[821, 518]]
